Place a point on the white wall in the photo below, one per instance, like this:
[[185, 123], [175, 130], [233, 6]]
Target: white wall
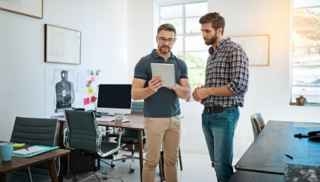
[[22, 69], [140, 30], [269, 91]]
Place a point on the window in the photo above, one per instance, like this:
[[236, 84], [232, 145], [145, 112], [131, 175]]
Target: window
[[306, 51], [189, 45]]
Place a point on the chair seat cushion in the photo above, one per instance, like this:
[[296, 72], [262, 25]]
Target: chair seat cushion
[[107, 146], [130, 140]]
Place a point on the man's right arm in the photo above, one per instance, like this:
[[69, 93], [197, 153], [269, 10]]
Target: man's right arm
[[139, 92]]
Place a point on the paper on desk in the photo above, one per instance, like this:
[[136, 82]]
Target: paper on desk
[[33, 150], [28, 150], [108, 118], [114, 119]]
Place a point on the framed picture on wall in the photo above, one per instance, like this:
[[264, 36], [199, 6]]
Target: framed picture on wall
[[62, 45], [32, 8], [257, 47]]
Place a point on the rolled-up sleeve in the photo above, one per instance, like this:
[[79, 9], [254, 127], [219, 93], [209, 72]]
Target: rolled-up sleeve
[[140, 70], [239, 72], [184, 71]]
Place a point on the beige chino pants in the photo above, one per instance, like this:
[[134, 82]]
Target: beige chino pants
[[163, 132]]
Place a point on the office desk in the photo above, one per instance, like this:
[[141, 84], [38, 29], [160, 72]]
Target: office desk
[[136, 122], [269, 153], [19, 163]]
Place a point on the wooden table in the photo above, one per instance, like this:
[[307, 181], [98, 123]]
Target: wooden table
[[19, 163], [136, 122]]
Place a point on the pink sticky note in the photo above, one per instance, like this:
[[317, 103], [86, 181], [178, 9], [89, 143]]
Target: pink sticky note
[[93, 98], [86, 101]]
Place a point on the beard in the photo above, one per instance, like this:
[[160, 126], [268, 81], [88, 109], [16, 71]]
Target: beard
[[212, 40], [164, 49]]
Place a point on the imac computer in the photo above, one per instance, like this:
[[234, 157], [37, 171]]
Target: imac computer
[[114, 99]]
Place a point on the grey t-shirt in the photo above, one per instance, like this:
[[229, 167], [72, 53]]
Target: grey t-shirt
[[165, 102]]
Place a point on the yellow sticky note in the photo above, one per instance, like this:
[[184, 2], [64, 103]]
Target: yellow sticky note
[[18, 145], [90, 90]]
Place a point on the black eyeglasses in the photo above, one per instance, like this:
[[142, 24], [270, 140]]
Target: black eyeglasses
[[163, 39]]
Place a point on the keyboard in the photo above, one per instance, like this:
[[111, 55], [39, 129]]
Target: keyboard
[[100, 114]]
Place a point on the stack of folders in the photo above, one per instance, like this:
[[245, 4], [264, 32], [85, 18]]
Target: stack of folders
[[33, 150]]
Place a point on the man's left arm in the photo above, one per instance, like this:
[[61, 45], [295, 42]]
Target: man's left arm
[[240, 72], [182, 89]]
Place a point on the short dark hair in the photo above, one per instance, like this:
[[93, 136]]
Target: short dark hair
[[216, 20], [167, 27]]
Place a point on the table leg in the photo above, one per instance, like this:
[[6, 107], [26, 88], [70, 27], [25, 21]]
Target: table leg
[[69, 165], [141, 152], [63, 162], [61, 134], [161, 167], [3, 177], [52, 170], [180, 160]]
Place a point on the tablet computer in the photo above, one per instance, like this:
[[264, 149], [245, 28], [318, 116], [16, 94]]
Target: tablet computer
[[165, 72]]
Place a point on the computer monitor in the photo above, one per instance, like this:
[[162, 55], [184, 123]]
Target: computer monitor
[[114, 98]]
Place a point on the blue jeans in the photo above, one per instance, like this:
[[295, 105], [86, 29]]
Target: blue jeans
[[218, 129]]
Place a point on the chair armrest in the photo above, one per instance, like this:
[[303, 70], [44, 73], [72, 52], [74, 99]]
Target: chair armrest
[[99, 143], [66, 138], [120, 137]]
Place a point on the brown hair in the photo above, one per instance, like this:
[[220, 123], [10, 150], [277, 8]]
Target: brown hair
[[167, 27], [216, 20]]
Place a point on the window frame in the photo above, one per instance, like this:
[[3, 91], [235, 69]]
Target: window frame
[[293, 100], [184, 33]]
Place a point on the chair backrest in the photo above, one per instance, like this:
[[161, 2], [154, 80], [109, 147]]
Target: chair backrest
[[82, 130], [35, 131], [257, 124]]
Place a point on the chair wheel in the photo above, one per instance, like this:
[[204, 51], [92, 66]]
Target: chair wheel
[[131, 171], [112, 165]]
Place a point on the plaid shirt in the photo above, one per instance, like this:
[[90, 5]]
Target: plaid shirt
[[227, 65]]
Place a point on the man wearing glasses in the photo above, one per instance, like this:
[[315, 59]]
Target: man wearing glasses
[[161, 104]]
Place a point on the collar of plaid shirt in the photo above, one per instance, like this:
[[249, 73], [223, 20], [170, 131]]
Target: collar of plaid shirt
[[220, 45]]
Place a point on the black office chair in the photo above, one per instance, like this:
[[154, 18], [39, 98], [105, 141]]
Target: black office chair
[[34, 131], [83, 134], [257, 124]]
